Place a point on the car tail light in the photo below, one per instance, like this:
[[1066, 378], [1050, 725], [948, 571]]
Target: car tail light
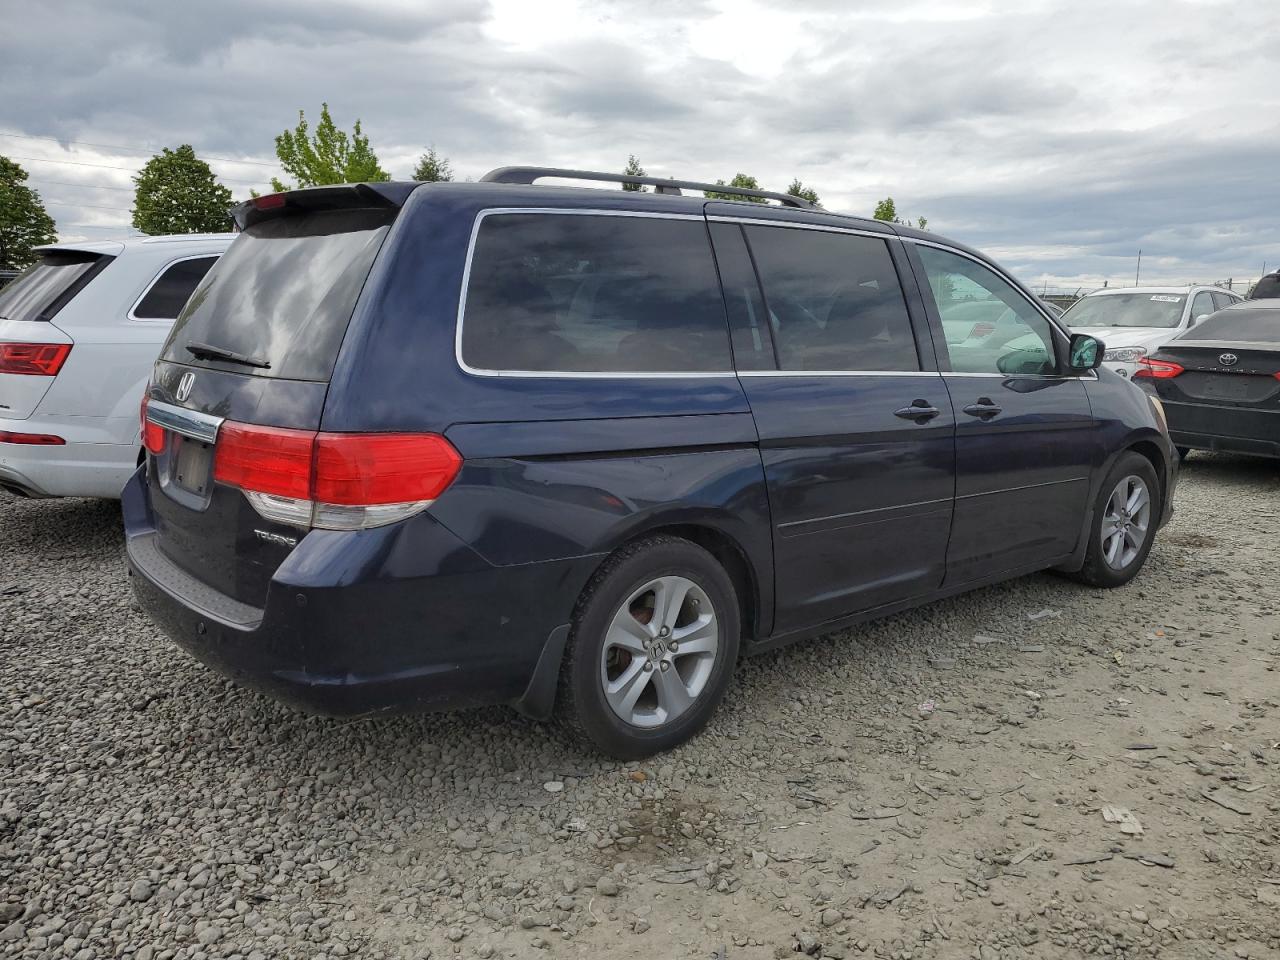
[[33, 359], [269, 201], [33, 439], [152, 433], [334, 481], [1157, 369]]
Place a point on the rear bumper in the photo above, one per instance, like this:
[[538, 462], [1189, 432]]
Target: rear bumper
[[79, 468], [398, 619], [1226, 429]]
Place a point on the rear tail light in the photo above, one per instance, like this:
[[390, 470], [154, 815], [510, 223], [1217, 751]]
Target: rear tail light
[[33, 359], [269, 201], [334, 481], [34, 439], [152, 433], [1157, 369]]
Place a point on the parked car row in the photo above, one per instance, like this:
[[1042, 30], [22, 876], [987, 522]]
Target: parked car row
[[417, 446]]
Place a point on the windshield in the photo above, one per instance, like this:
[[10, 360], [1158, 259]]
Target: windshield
[[1127, 310], [282, 295], [1239, 324], [47, 285]]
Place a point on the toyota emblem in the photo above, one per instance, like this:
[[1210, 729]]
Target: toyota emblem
[[1228, 359], [188, 381]]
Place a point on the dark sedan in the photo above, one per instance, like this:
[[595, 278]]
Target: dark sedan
[[1220, 381]]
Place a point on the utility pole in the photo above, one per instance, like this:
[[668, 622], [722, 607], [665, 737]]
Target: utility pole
[[1137, 273]]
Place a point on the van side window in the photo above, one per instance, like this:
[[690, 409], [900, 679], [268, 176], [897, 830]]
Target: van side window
[[169, 294], [990, 327], [834, 301], [594, 293]]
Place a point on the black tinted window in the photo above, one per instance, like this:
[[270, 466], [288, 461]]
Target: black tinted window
[[572, 292], [748, 319], [1239, 323], [283, 294], [47, 285], [834, 301], [170, 292]]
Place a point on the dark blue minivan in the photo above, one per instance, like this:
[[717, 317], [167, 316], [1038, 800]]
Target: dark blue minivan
[[413, 446]]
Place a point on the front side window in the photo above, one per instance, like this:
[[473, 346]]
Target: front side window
[[593, 293], [834, 301], [990, 327], [172, 289], [1201, 305]]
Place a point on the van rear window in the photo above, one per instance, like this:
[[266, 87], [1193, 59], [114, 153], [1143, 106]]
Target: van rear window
[[593, 293], [48, 285], [282, 295]]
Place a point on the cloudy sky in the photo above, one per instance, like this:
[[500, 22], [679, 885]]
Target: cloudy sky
[[1061, 136]]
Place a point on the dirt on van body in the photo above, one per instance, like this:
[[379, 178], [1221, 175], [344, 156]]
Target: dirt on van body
[[1034, 770]]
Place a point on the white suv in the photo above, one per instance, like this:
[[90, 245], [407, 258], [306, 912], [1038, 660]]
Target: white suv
[[79, 332], [1136, 321]]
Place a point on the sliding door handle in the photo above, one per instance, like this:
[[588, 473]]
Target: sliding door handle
[[921, 411]]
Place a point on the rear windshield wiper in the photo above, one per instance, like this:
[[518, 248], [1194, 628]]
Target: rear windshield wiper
[[206, 351]]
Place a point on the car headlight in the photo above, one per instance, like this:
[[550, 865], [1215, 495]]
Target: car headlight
[[1125, 354]]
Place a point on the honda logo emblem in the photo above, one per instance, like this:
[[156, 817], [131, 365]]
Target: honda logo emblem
[[1228, 359], [184, 385]]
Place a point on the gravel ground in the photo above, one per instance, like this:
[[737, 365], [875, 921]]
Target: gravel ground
[[933, 785]]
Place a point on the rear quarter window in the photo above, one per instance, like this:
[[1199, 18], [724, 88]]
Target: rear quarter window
[[170, 291], [593, 293]]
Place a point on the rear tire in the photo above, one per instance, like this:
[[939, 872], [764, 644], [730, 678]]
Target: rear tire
[[651, 650], [1125, 516]]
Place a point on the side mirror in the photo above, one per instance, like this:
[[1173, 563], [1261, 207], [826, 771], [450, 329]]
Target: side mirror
[[1086, 352], [1195, 320]]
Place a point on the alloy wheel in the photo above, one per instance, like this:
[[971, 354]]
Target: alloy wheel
[[1126, 522], [659, 651]]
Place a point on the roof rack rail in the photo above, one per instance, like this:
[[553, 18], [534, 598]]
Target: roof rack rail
[[531, 174]]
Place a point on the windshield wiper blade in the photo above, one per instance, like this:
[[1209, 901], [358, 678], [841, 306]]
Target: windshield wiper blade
[[206, 351]]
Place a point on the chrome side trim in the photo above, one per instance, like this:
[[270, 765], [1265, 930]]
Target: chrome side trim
[[189, 423], [564, 374], [793, 225], [1087, 375], [839, 373]]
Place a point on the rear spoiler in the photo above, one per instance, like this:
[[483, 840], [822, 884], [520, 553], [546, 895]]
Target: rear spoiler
[[346, 196]]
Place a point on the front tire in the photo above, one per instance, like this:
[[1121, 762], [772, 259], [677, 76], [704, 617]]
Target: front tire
[[1125, 517], [651, 650]]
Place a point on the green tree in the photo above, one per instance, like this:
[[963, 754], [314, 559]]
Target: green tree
[[330, 156], [886, 210], [432, 167], [176, 192], [739, 180], [633, 169], [798, 189], [24, 222]]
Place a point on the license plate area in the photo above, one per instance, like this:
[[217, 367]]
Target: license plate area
[[190, 466]]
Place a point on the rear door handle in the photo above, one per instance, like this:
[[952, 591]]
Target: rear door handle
[[921, 411], [984, 409]]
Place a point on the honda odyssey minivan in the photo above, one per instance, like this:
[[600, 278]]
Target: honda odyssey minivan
[[413, 446]]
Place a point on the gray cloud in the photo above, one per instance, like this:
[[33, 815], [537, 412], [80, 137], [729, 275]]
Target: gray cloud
[[1063, 136]]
